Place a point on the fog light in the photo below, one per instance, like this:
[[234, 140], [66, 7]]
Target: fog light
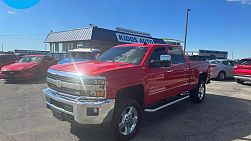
[[92, 111]]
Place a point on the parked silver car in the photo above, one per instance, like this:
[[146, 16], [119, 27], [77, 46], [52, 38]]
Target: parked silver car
[[222, 69]]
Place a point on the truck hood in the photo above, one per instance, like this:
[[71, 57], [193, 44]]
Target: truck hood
[[19, 66], [91, 68]]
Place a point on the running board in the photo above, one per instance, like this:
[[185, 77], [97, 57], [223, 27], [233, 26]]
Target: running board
[[166, 105]]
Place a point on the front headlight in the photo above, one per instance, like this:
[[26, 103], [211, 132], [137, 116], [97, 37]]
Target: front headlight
[[95, 87], [94, 82]]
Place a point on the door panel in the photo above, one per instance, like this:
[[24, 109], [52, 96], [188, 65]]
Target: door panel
[[179, 77], [180, 71], [157, 80], [157, 83]]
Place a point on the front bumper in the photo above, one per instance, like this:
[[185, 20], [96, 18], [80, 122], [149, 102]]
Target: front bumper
[[83, 111], [243, 77], [12, 76]]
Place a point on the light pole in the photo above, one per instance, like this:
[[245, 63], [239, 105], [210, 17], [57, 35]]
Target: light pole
[[187, 18]]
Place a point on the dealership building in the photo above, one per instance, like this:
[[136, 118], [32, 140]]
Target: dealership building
[[100, 38], [209, 54]]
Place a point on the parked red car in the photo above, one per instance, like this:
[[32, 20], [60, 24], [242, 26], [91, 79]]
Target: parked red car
[[242, 71], [6, 59], [29, 67]]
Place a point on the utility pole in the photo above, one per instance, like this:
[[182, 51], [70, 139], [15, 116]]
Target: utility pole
[[187, 18]]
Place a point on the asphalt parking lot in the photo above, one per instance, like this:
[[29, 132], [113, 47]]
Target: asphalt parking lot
[[225, 115]]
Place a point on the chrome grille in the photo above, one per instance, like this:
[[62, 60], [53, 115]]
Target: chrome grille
[[67, 90], [64, 78], [74, 84]]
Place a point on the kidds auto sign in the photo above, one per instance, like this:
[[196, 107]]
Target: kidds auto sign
[[133, 39]]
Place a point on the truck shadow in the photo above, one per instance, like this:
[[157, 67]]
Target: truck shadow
[[218, 118], [91, 133]]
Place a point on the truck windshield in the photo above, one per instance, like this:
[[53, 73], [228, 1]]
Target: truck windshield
[[132, 55], [29, 59], [81, 55]]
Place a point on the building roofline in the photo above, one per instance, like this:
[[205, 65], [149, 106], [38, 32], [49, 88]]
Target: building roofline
[[70, 30]]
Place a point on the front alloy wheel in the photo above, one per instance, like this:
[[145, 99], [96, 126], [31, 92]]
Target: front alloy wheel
[[197, 95], [202, 91], [126, 119]]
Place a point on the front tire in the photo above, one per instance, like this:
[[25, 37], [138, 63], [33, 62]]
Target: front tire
[[126, 119], [221, 76], [197, 95]]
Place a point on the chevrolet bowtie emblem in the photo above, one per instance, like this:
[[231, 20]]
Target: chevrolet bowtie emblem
[[59, 83]]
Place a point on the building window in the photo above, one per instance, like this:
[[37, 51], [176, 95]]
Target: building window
[[56, 47], [80, 44]]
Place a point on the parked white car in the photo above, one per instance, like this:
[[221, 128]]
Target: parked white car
[[222, 69]]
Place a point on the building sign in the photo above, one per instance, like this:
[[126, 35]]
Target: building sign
[[134, 32], [214, 54], [133, 39]]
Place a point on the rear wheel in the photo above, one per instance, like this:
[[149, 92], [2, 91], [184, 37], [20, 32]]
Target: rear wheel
[[126, 119], [221, 76], [197, 95]]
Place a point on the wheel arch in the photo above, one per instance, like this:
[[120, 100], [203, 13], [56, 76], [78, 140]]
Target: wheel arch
[[135, 92], [203, 76]]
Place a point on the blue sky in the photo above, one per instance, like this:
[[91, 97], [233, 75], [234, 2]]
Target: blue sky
[[214, 24]]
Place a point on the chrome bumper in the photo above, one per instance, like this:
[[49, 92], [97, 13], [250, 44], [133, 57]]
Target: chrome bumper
[[83, 111], [243, 77]]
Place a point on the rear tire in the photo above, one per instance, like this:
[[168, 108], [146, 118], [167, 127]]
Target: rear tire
[[197, 95], [221, 76], [126, 119]]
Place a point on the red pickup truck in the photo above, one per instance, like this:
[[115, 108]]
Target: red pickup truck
[[123, 82]]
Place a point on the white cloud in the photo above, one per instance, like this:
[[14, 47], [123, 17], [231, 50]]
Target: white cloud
[[11, 12], [241, 1]]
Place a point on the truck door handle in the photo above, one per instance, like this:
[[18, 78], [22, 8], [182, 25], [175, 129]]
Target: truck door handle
[[169, 71]]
